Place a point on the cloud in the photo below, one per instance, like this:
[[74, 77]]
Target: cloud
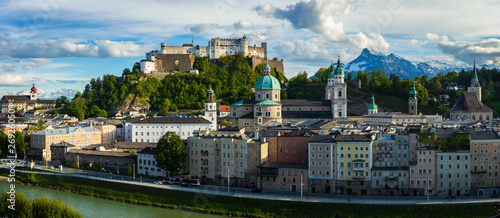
[[13, 80], [69, 47], [308, 52], [63, 81], [242, 24], [201, 27], [318, 16], [485, 52]]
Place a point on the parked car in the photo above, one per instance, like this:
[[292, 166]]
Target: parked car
[[186, 184], [257, 190], [158, 182]]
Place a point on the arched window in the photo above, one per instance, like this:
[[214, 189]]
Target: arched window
[[267, 95], [258, 95], [474, 117], [340, 93], [480, 117], [327, 173], [312, 172], [320, 173], [487, 117]]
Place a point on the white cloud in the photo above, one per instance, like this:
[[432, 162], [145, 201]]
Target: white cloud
[[243, 24], [69, 47], [13, 80], [201, 27], [485, 52], [316, 15]]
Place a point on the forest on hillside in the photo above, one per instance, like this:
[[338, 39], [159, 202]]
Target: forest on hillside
[[230, 77]]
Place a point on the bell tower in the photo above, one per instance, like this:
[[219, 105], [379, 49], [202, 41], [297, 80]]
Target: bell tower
[[474, 84], [211, 108], [33, 94]]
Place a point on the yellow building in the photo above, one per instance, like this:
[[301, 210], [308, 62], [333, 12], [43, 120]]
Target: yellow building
[[78, 136], [353, 165]]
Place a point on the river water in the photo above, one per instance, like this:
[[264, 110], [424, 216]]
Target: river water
[[98, 207]]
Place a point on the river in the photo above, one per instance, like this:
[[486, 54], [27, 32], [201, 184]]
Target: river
[[98, 207]]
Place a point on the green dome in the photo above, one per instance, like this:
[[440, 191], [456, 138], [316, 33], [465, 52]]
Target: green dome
[[210, 91], [413, 92], [373, 106], [267, 82], [339, 70], [331, 74]]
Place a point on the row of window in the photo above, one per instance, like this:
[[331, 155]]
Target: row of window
[[458, 166], [485, 151], [458, 157], [355, 164], [420, 182], [320, 148], [485, 144], [458, 176], [148, 162], [319, 155], [356, 148], [320, 172], [320, 163], [355, 173], [355, 155]]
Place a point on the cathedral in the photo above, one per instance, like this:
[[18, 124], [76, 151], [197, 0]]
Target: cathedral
[[268, 109], [469, 105]]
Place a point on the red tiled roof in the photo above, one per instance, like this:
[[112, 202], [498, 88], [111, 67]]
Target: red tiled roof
[[224, 108]]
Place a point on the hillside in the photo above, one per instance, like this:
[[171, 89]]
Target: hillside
[[230, 77]]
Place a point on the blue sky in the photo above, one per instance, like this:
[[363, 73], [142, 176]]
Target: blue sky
[[62, 43]]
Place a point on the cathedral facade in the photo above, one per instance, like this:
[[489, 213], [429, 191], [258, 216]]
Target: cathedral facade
[[268, 109]]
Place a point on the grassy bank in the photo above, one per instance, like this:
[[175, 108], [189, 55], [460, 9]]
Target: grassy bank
[[235, 206]]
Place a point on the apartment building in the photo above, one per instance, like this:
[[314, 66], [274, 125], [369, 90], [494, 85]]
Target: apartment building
[[321, 171], [453, 173], [354, 162], [485, 155], [390, 171]]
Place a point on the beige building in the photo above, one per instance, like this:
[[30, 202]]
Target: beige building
[[108, 133], [353, 163], [78, 136], [485, 155], [25, 102], [214, 157]]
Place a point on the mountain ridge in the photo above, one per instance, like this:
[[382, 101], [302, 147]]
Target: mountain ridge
[[369, 60]]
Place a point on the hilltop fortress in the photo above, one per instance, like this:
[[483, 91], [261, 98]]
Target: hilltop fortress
[[173, 59]]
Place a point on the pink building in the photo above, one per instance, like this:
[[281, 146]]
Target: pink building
[[423, 171], [283, 176], [322, 164], [292, 148]]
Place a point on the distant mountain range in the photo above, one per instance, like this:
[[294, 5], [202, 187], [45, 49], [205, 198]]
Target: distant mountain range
[[370, 60], [44, 94]]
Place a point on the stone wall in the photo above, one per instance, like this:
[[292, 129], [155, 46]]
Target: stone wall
[[277, 65], [174, 62]]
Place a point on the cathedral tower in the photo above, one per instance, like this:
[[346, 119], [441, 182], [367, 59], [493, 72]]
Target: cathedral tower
[[412, 100], [336, 91]]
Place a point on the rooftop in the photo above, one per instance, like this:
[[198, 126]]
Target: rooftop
[[101, 153], [322, 138], [469, 102], [176, 120]]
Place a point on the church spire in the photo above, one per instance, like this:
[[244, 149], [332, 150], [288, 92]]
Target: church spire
[[474, 81], [413, 92]]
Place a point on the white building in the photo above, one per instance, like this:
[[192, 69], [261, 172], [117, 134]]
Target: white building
[[153, 128], [453, 172], [336, 91], [146, 163]]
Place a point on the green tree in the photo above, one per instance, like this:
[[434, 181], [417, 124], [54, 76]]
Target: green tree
[[170, 153], [349, 76], [226, 123], [4, 143], [20, 143], [23, 206], [129, 171], [56, 111]]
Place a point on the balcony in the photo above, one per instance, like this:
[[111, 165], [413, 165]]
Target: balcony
[[391, 178], [358, 168], [478, 171], [358, 177]]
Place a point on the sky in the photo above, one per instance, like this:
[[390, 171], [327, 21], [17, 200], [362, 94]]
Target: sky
[[63, 44]]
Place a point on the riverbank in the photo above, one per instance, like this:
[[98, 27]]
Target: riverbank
[[235, 206]]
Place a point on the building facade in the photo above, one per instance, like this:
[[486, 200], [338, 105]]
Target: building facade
[[354, 163], [153, 128], [453, 173], [77, 136], [146, 163], [485, 155], [25, 102], [322, 167]]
